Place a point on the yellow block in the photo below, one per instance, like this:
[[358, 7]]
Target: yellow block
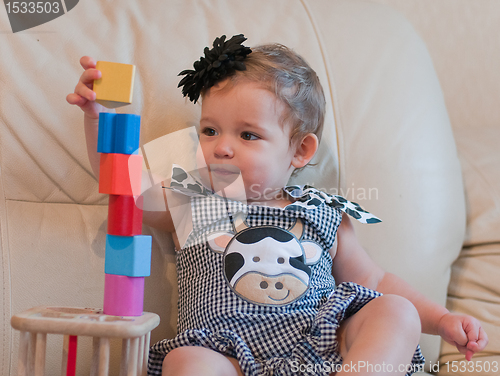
[[116, 85]]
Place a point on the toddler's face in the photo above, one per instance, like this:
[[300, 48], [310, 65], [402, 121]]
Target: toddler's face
[[243, 144]]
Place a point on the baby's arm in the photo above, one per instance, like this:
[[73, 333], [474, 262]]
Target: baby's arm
[[155, 211], [353, 264]]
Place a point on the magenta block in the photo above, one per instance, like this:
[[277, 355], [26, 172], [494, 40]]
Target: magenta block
[[123, 296]]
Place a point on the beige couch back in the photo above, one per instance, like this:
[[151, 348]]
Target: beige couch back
[[387, 143]]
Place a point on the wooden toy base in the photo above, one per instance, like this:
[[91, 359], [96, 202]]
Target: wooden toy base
[[37, 322]]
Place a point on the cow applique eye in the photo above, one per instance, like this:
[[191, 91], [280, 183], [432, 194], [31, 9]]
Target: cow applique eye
[[266, 265]]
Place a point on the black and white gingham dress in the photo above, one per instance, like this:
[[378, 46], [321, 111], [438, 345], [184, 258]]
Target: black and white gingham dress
[[267, 339]]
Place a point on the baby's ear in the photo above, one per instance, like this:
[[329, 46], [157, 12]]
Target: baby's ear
[[305, 150]]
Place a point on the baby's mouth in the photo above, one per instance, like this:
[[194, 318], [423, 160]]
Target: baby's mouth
[[224, 170], [222, 175]]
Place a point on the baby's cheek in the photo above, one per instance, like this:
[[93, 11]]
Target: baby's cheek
[[200, 156], [205, 177]]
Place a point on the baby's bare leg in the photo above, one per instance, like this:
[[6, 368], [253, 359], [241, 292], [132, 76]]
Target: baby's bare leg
[[380, 338], [196, 361]]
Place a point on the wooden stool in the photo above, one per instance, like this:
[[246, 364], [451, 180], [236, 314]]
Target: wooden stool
[[37, 322]]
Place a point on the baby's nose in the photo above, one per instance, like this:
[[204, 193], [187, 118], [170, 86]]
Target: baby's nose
[[224, 148]]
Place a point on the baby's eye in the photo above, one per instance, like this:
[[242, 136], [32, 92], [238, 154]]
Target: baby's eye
[[249, 136], [208, 131]]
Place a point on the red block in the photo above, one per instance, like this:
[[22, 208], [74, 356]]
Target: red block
[[125, 215], [120, 174]]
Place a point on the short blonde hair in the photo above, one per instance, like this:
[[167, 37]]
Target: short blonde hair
[[287, 75]]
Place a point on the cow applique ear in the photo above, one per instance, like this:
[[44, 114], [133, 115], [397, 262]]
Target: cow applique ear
[[312, 249], [218, 241]]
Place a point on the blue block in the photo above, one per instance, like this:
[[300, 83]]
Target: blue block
[[128, 255], [118, 133]]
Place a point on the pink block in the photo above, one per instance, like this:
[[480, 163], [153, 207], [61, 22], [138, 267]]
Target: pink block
[[123, 296]]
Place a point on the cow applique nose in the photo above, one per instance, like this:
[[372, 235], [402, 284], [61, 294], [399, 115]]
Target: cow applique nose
[[265, 289], [273, 288], [264, 285]]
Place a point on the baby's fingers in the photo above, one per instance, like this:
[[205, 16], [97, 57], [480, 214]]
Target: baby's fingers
[[477, 339], [468, 355], [87, 62], [76, 99], [464, 350], [479, 343], [84, 91], [88, 76]]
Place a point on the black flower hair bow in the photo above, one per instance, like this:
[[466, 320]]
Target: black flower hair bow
[[224, 58]]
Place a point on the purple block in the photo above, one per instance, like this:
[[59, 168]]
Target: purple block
[[123, 296]]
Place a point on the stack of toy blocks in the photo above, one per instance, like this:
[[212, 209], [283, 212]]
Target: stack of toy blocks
[[128, 253]]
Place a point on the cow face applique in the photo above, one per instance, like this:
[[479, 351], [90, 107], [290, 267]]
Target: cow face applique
[[266, 265]]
